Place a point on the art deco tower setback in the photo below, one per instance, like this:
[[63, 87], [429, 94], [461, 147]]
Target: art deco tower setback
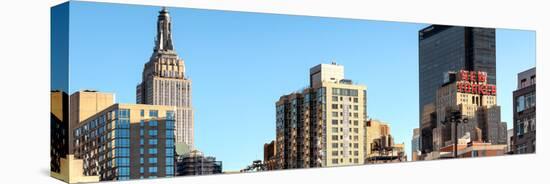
[[164, 81]]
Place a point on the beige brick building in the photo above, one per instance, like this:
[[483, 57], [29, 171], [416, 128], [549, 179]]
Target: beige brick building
[[84, 104], [469, 94], [322, 125], [380, 146]]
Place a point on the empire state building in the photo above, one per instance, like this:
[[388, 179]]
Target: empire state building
[[164, 81]]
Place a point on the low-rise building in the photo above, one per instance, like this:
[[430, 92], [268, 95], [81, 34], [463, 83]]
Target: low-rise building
[[380, 146], [195, 163], [270, 156]]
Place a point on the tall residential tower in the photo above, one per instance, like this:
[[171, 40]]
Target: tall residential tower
[[164, 81], [323, 125]]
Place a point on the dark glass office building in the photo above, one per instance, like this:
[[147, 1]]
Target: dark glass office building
[[451, 48]]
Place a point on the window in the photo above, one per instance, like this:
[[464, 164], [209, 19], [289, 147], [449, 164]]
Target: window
[[169, 134], [169, 171], [334, 130], [152, 150], [334, 98], [169, 143], [153, 113], [153, 160], [334, 161], [123, 123], [520, 104], [521, 128], [122, 161], [169, 152], [334, 106], [334, 137], [122, 142], [141, 113], [334, 145], [169, 124], [152, 170], [153, 132], [153, 123], [124, 113], [170, 115], [335, 122], [335, 114], [334, 153], [153, 141], [125, 171], [344, 92], [169, 161], [529, 100]]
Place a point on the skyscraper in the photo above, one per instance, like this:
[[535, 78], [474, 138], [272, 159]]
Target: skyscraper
[[164, 81], [323, 125], [452, 48]]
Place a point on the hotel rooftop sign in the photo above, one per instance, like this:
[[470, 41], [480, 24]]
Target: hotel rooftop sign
[[474, 82]]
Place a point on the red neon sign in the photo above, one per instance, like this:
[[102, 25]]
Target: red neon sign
[[475, 82]]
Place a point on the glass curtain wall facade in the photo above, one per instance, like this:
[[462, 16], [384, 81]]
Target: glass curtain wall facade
[[124, 142]]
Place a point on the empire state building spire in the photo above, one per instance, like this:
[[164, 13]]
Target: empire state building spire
[[164, 82], [163, 42]]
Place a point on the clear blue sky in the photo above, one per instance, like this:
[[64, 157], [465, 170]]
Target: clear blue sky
[[241, 63]]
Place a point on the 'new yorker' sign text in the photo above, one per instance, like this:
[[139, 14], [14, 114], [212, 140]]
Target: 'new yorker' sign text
[[475, 82]]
